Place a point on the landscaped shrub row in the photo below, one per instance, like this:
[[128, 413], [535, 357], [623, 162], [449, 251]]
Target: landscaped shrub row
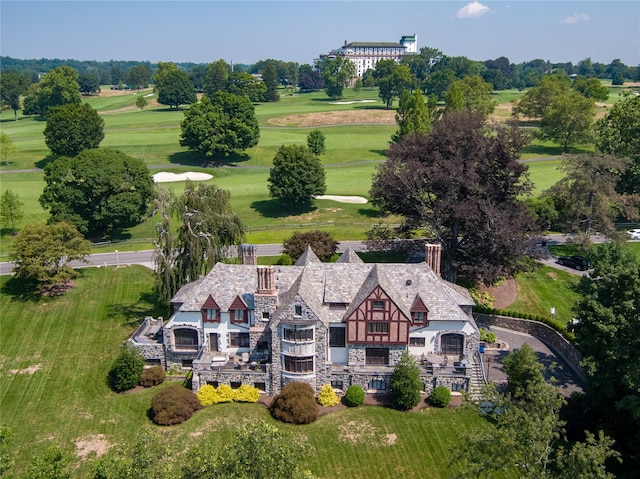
[[533, 317], [173, 405], [208, 395]]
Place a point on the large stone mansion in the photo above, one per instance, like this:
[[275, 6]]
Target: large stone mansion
[[338, 323]]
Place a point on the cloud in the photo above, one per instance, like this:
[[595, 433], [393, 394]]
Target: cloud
[[578, 17], [472, 9]]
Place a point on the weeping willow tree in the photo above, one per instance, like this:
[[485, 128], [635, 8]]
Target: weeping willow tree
[[207, 230]]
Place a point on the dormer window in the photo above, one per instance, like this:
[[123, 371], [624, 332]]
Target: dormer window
[[298, 310], [419, 316], [238, 312], [419, 312], [213, 314], [210, 311]]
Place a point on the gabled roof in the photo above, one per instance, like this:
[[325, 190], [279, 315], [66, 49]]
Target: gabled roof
[[349, 256], [307, 257], [377, 277]]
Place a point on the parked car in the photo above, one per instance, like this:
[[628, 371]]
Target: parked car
[[576, 262], [634, 234]]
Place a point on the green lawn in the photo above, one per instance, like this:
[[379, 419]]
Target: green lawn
[[56, 353]]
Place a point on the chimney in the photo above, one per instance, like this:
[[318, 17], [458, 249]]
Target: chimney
[[432, 255], [266, 280], [248, 254]]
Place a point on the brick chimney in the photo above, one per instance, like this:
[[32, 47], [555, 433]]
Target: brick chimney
[[248, 254], [432, 254], [266, 280]]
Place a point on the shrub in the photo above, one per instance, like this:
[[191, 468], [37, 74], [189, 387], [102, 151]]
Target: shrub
[[296, 404], [246, 393], [440, 396], [354, 396], [405, 382], [126, 370], [153, 376], [206, 395], [487, 336], [284, 260], [327, 396], [223, 393], [173, 405]]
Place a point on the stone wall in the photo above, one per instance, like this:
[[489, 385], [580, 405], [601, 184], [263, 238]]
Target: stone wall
[[560, 345], [150, 351]]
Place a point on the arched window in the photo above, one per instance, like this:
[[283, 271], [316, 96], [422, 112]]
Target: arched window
[[452, 344], [185, 338]]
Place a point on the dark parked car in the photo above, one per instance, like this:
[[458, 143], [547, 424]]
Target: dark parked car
[[576, 262]]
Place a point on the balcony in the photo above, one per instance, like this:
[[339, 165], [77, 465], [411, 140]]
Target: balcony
[[291, 348]]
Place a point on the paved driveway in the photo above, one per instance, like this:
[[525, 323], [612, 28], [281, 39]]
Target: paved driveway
[[555, 367]]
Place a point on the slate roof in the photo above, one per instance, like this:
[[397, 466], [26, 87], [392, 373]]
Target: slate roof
[[322, 284], [374, 45]]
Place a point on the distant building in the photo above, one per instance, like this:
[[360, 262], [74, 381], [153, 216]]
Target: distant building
[[365, 55], [339, 323]]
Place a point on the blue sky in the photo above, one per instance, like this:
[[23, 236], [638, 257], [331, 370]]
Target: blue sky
[[247, 31]]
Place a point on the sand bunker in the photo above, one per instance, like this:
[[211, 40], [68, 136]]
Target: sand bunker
[[343, 199], [351, 102], [164, 177]]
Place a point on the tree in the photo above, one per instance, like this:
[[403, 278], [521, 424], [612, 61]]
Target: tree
[[99, 191], [405, 383], [176, 89], [414, 115], [278, 451], [13, 84], [138, 76], [141, 102], [11, 209], [439, 83], [73, 128], [471, 93], [336, 73], [54, 464], [524, 371], [41, 254], [58, 87], [297, 176], [590, 88], [208, 228], [241, 83], [89, 83], [6, 147], [462, 182], [608, 311], [568, 120], [315, 142], [392, 80], [126, 370], [586, 198], [618, 133], [311, 81], [270, 79], [216, 78], [536, 100], [321, 242], [220, 126], [140, 460]]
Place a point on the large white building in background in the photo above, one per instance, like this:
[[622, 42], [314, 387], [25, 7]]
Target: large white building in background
[[365, 55]]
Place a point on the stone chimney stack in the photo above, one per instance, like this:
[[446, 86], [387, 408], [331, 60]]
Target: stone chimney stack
[[432, 254], [266, 280], [248, 254]]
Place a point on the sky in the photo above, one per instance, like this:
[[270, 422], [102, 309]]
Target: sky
[[243, 31]]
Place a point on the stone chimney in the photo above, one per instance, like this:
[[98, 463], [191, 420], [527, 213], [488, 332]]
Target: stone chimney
[[248, 254], [432, 254], [266, 280]]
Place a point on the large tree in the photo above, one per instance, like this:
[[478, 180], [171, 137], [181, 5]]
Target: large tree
[[392, 80], [568, 120], [100, 191], [336, 73], [139, 75], [321, 242], [536, 100], [207, 229], [608, 313], [11, 209], [58, 87], [270, 79], [73, 128], [41, 254], [13, 85], [463, 183], [618, 133], [414, 114], [215, 79], [89, 83], [241, 83], [297, 176], [471, 93], [176, 89], [586, 198], [220, 126]]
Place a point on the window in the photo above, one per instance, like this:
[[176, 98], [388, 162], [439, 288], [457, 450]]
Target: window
[[337, 384], [239, 316], [298, 365], [377, 385], [378, 305], [266, 315], [378, 328], [298, 310], [186, 363], [260, 386], [419, 316], [451, 344], [262, 346], [294, 334], [337, 337], [152, 362], [212, 315], [235, 384], [239, 340], [186, 339], [215, 384], [417, 342], [377, 357]]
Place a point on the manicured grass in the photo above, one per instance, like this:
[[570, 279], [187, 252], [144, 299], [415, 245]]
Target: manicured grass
[[543, 288], [56, 353]]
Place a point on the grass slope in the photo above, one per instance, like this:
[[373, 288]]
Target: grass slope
[[56, 353]]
